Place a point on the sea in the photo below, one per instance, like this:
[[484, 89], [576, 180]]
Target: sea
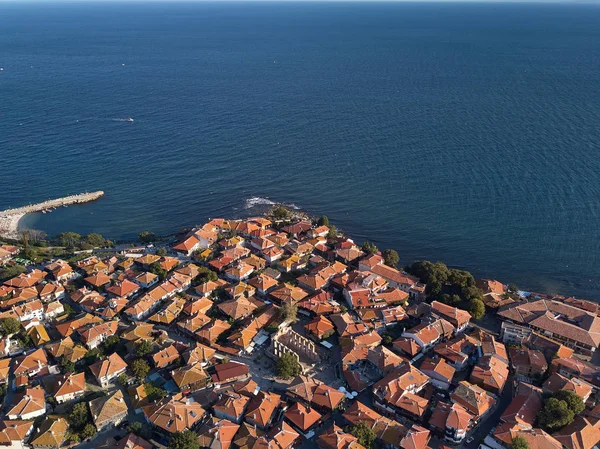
[[467, 133]]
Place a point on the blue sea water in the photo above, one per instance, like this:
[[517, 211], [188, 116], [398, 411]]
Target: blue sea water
[[467, 133]]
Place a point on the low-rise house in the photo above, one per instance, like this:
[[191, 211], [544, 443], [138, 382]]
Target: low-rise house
[[320, 327], [50, 291], [313, 391], [231, 406], [524, 408], [416, 438], [31, 364], [94, 335], [562, 322], [67, 387], [130, 441], [336, 438], [474, 399], [238, 308], [51, 434], [105, 371], [582, 433], [146, 279], [457, 317], [60, 270], [301, 417], [387, 431], [439, 372], [123, 289], [557, 382], [572, 367], [452, 421], [490, 373], [247, 436], [217, 433], [427, 335], [263, 283], [165, 357], [198, 353], [261, 409], [210, 332], [282, 436], [27, 405], [230, 372], [389, 393], [14, 433], [108, 411], [190, 378], [174, 414], [527, 362]]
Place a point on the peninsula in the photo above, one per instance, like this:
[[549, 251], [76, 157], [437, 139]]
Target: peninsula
[[9, 219], [281, 332]]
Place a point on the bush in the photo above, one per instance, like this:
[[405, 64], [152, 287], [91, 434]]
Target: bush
[[95, 239], [79, 417], [289, 312], [161, 252], [288, 367]]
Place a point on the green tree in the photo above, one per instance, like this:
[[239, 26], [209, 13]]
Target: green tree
[[123, 379], [66, 365], [519, 443], [513, 288], [288, 367], [144, 348], [140, 369], [366, 436], [79, 416], [184, 440], [332, 234], [555, 414], [289, 311], [10, 326], [95, 239], [477, 309], [154, 393], [161, 252], [11, 272], [93, 355], [68, 239], [110, 344], [574, 402], [158, 270], [206, 274], [391, 258], [369, 247], [147, 237], [323, 221], [88, 431]]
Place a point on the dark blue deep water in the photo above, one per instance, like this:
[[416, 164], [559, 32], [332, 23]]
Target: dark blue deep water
[[467, 133]]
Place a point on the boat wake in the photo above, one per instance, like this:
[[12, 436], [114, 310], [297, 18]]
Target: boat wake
[[258, 201], [129, 119]]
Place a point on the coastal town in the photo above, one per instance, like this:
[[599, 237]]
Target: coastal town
[[281, 332]]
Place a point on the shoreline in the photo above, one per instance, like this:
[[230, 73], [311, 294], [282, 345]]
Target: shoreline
[[10, 218]]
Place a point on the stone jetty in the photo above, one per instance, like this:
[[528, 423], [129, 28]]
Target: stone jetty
[[9, 218]]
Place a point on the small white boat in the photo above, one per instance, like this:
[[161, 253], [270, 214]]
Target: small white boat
[[129, 119]]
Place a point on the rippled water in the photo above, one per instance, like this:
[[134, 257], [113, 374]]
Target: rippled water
[[467, 133]]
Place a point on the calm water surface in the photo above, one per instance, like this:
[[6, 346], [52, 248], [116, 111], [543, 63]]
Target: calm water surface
[[467, 133]]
